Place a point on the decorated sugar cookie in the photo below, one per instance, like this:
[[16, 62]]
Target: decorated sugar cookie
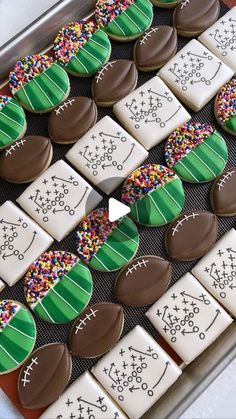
[[223, 194], [104, 245], [196, 152], [81, 48], [39, 83], [124, 20], [165, 4], [58, 286], [225, 107], [155, 195], [12, 121], [17, 335]]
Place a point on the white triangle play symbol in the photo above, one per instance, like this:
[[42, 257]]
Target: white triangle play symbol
[[116, 210]]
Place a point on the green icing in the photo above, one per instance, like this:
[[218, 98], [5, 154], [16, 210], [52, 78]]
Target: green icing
[[12, 123], [46, 90], [231, 124], [205, 162], [95, 53], [133, 21], [168, 1], [68, 298], [119, 248], [17, 340], [160, 206]]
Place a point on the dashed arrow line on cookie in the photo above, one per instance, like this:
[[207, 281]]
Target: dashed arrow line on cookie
[[162, 375], [7, 256], [133, 388], [202, 300], [136, 350], [218, 312], [91, 404], [189, 332], [103, 134], [2, 221]]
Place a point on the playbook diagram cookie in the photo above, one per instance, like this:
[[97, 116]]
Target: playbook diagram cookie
[[39, 83], [17, 335], [225, 107], [196, 152], [154, 194], [58, 286], [12, 121], [104, 245], [124, 20]]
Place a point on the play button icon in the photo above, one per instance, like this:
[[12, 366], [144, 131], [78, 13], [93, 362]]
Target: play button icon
[[117, 210]]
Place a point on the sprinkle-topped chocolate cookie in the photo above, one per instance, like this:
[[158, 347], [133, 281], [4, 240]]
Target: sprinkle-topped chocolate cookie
[[38, 83], [124, 20], [196, 152], [225, 107], [12, 121], [82, 48]]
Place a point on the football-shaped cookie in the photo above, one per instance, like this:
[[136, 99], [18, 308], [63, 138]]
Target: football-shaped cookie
[[44, 376], [223, 193], [191, 235], [26, 159], [155, 48], [143, 281], [97, 330], [114, 81]]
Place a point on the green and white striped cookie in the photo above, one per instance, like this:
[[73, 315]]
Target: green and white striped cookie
[[104, 245], [81, 48], [166, 4], [124, 20], [17, 335], [39, 83], [58, 286], [154, 194], [12, 121], [196, 152]]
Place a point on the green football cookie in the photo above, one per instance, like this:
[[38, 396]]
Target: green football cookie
[[124, 20], [17, 335], [166, 4], [225, 107], [39, 83], [155, 195], [58, 286], [12, 121], [104, 245], [196, 152]]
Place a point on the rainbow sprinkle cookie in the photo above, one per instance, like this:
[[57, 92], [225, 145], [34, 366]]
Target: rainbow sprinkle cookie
[[155, 195], [124, 20], [106, 246], [17, 335], [225, 107], [58, 286], [196, 152], [81, 48], [39, 83], [12, 121]]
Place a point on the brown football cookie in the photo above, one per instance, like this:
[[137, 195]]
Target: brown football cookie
[[223, 194]]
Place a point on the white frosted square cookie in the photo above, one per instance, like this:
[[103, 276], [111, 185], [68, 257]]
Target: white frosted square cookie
[[59, 199], [151, 112], [84, 398], [188, 318], [220, 38], [217, 271], [195, 75], [21, 242], [2, 285], [106, 155], [137, 372]]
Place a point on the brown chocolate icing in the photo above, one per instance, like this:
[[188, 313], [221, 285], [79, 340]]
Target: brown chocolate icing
[[44, 376], [72, 119], [96, 330], [191, 235], [194, 16], [143, 281], [223, 193], [115, 81], [25, 159], [155, 47]]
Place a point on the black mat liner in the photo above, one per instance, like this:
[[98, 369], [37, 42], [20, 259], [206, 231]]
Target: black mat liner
[[151, 239]]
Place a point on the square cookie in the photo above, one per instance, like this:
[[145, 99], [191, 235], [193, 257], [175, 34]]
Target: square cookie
[[85, 398], [21, 242], [151, 112], [59, 199], [220, 38], [217, 271], [106, 155], [188, 318], [137, 372], [195, 75]]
